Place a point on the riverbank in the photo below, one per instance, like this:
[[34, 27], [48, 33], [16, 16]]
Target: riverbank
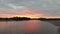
[[55, 22]]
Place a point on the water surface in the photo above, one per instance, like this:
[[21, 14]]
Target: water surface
[[27, 27]]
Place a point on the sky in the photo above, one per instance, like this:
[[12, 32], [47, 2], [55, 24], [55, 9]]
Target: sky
[[30, 8]]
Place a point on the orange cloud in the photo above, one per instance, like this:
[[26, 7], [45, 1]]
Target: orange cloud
[[30, 13], [26, 12]]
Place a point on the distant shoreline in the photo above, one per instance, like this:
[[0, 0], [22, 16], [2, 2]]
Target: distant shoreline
[[26, 18]]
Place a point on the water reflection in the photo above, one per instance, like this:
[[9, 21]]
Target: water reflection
[[27, 27]]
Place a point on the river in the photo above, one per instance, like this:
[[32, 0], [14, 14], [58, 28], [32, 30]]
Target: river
[[27, 27]]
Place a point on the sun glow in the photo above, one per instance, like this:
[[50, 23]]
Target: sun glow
[[25, 12], [27, 16]]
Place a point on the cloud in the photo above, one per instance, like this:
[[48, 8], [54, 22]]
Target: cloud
[[26, 12], [15, 7], [47, 7]]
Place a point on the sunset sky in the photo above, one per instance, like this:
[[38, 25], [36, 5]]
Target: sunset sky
[[30, 8]]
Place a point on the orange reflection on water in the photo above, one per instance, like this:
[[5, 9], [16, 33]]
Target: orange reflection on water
[[23, 26], [31, 26], [3, 25]]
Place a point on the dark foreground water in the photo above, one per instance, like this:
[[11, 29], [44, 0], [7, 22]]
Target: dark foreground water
[[27, 27]]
